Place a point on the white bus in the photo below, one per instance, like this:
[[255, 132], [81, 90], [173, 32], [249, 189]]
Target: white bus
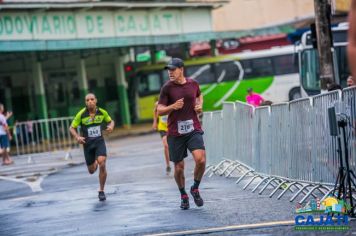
[[273, 73]]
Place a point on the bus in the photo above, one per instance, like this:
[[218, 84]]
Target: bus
[[273, 73], [309, 61]]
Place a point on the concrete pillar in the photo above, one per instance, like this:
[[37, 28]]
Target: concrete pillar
[[82, 82], [153, 54], [213, 49], [122, 90], [186, 53], [40, 96]]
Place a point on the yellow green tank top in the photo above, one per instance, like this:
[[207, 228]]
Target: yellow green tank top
[[162, 123]]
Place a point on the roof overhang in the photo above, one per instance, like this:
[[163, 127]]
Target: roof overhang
[[75, 4]]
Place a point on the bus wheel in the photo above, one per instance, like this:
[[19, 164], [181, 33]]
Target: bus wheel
[[295, 94]]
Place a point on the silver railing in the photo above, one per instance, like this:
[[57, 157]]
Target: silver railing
[[286, 144], [44, 135]]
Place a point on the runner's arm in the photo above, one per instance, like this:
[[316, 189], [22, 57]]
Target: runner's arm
[[155, 117], [73, 129], [110, 126], [165, 110], [77, 137], [199, 104]]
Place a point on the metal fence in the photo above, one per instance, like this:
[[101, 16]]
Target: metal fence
[[43, 135], [290, 141]]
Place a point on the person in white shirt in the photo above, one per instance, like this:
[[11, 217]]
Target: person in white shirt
[[5, 137]]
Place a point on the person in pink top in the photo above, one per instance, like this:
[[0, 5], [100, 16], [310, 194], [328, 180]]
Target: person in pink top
[[253, 99]]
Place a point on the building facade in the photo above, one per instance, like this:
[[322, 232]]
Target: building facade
[[52, 54]]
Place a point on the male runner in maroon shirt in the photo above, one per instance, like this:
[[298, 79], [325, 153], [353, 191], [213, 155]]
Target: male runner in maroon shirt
[[181, 99]]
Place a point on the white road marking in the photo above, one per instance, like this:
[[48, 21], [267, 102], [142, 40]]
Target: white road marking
[[34, 185], [228, 228]]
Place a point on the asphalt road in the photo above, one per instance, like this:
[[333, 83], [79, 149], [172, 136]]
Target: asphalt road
[[141, 200]]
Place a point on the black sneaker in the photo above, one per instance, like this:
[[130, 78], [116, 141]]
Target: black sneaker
[[184, 204], [196, 195], [101, 196]]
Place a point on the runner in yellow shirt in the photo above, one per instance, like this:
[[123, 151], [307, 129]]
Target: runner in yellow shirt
[[160, 124]]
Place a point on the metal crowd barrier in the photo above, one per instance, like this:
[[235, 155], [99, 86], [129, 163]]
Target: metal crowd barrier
[[45, 135], [349, 109], [287, 146]]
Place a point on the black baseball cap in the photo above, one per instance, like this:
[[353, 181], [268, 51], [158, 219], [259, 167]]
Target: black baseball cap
[[174, 63]]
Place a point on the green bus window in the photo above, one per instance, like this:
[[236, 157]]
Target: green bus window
[[204, 74], [262, 67], [227, 71], [248, 70], [284, 64]]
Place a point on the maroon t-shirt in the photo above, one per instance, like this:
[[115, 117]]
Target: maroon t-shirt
[[184, 120]]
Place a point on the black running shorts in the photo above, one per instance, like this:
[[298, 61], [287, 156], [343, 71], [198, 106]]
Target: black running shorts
[[93, 149], [162, 133], [178, 145]]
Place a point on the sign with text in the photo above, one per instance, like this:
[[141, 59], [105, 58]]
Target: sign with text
[[99, 24]]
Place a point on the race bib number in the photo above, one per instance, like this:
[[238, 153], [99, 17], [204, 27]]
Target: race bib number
[[94, 132], [185, 126]]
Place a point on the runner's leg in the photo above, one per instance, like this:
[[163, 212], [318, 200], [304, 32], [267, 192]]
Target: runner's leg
[[179, 174], [200, 161], [102, 174]]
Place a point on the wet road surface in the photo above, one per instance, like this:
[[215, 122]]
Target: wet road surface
[[141, 200]]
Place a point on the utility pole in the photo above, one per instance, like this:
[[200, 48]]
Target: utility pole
[[324, 41]]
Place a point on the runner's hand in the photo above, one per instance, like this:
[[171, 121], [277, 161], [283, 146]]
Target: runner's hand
[[109, 128], [178, 104], [154, 126], [198, 108], [80, 139]]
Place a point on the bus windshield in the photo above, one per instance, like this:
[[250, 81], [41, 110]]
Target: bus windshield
[[310, 70], [309, 61]]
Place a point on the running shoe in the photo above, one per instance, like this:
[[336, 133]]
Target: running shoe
[[184, 204], [196, 195], [101, 196]]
